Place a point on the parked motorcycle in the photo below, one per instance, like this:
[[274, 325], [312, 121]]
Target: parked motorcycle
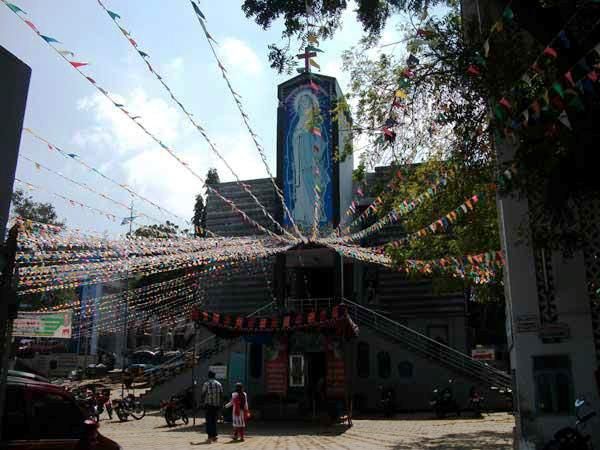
[[507, 393], [128, 406], [173, 410], [476, 401], [572, 438], [443, 401], [387, 402]]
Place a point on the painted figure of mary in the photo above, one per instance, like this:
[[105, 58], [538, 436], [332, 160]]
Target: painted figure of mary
[[308, 150]]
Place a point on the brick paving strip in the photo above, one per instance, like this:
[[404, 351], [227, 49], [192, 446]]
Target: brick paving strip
[[493, 432]]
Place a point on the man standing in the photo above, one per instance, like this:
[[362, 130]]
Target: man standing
[[212, 392]]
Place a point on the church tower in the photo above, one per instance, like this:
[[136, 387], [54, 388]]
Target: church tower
[[314, 164]]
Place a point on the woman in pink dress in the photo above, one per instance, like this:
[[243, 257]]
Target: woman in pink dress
[[239, 402]]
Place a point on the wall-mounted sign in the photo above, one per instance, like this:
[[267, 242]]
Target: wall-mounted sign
[[220, 371], [49, 325], [527, 323], [554, 331], [483, 354]]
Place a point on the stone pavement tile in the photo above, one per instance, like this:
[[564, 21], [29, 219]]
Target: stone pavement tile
[[493, 432]]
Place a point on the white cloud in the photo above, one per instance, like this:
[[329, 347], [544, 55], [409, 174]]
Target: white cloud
[[148, 168], [113, 128], [238, 55], [174, 69]]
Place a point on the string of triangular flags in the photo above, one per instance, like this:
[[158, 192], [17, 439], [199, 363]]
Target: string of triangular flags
[[507, 108], [144, 56], [77, 66], [69, 201], [77, 158], [40, 166], [245, 118], [439, 225], [395, 214]]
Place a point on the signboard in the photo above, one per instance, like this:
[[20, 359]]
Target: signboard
[[49, 325], [276, 365], [220, 371], [554, 331], [527, 323], [483, 354]]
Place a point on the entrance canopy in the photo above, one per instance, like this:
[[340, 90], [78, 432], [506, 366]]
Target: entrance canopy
[[335, 321]]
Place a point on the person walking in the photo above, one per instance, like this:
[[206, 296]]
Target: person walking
[[212, 392], [241, 412]]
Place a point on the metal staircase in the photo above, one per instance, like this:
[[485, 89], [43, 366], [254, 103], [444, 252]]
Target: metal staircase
[[165, 377], [427, 347]]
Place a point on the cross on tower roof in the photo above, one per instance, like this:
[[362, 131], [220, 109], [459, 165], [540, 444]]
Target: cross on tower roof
[[306, 57]]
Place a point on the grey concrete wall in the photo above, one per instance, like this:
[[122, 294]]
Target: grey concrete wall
[[413, 393]]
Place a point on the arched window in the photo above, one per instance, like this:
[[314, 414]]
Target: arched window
[[384, 364], [405, 369], [362, 360], [256, 360]]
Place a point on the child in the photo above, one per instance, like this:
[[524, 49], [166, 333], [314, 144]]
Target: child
[[239, 401]]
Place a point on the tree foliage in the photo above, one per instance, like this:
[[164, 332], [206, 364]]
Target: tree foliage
[[212, 177], [163, 230], [25, 206], [326, 17]]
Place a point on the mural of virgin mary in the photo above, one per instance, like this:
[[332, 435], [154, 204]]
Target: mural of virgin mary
[[305, 151]]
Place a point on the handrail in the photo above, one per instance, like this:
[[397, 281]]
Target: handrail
[[426, 344], [203, 341]]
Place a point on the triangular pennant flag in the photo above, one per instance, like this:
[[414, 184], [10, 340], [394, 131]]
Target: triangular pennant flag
[[78, 64], [113, 15], [66, 53], [14, 8], [508, 14], [549, 51], [198, 12], [49, 39], [311, 48], [143, 54], [313, 63], [32, 26], [564, 119], [401, 94], [91, 80], [486, 48]]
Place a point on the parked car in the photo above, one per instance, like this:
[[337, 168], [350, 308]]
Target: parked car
[[28, 348], [44, 416]]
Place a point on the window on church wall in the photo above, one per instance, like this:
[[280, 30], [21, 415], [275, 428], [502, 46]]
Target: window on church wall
[[553, 384], [363, 360], [384, 364], [296, 370], [405, 369], [256, 360]]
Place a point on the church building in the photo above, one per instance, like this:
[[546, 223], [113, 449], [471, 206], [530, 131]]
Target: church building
[[409, 340]]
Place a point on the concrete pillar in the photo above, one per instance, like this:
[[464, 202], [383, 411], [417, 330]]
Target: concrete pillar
[[525, 327]]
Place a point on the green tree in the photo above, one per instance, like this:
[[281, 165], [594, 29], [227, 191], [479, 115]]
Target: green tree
[[23, 205], [199, 217], [163, 230], [326, 15], [212, 177]]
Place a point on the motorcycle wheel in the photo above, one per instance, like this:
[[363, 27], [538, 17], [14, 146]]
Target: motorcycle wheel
[[185, 418], [170, 419], [122, 415], [139, 411], [109, 411]]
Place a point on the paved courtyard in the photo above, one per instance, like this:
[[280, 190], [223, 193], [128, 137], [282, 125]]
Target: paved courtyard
[[494, 432]]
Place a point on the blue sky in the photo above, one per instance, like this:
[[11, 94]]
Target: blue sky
[[67, 110]]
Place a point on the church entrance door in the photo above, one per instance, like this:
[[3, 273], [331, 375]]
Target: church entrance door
[[316, 382]]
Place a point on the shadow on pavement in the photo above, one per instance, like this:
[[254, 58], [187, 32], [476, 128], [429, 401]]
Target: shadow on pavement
[[490, 440], [266, 429]]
